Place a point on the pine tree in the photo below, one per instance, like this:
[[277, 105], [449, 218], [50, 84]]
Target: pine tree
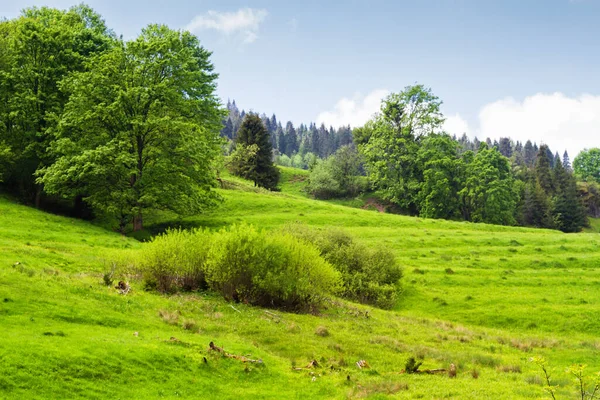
[[505, 147], [291, 139], [227, 130], [530, 154], [543, 171], [281, 140], [253, 132], [536, 206], [567, 209], [567, 162]]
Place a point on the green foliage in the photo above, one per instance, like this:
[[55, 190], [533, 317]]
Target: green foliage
[[38, 50], [586, 165], [140, 129], [337, 176], [490, 193], [535, 210], [442, 177], [255, 267], [257, 165], [567, 209], [241, 160], [370, 276], [322, 183], [5, 158], [390, 143], [175, 261]]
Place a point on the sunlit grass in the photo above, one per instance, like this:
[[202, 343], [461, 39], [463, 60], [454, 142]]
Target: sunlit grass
[[483, 297]]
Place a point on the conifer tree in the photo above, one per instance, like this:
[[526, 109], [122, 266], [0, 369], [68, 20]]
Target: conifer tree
[[543, 171], [567, 209], [262, 171]]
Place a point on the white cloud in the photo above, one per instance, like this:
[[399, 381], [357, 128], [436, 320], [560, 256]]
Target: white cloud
[[244, 22], [355, 111], [561, 122], [455, 124]]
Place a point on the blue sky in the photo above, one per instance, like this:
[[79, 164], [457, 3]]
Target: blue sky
[[525, 69]]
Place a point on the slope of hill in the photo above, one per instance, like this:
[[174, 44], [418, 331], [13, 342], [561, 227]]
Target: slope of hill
[[485, 298]]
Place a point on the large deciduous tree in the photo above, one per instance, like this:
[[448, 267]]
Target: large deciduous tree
[[141, 129], [258, 166], [490, 193], [37, 51], [390, 142], [442, 177]]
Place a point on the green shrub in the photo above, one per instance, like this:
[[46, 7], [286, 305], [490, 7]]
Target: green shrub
[[369, 275], [264, 269], [175, 261]]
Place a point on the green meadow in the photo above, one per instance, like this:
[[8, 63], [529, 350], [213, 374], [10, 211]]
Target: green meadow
[[484, 298]]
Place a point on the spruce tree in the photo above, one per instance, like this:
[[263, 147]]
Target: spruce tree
[[291, 139], [536, 206], [543, 171], [567, 209], [567, 162], [263, 172]]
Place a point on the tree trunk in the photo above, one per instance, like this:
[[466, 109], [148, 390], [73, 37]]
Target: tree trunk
[[137, 222], [38, 196]]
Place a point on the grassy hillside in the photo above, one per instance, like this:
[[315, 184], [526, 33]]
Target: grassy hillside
[[485, 298]]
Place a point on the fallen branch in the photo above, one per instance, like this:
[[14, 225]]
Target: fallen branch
[[235, 308], [244, 359]]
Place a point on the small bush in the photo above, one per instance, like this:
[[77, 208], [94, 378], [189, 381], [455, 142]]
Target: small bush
[[369, 276], [270, 270], [175, 261]]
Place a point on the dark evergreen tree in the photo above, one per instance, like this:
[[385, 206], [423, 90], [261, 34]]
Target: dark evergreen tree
[[281, 140], [535, 210], [567, 209], [291, 139], [543, 171], [530, 154], [549, 155], [253, 132], [227, 130], [505, 147], [567, 162]]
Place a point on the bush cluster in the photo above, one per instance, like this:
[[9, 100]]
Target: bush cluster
[[293, 268], [369, 275], [243, 264]]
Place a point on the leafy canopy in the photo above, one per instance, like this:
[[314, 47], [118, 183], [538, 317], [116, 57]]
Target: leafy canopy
[[140, 129]]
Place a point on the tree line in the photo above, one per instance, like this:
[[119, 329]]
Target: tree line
[[413, 164], [106, 125], [292, 146]]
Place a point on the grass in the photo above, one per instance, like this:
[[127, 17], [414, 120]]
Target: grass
[[513, 293]]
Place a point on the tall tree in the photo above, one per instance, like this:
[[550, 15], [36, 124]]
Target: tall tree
[[262, 172], [543, 170], [567, 209], [390, 142], [490, 194], [442, 177], [141, 129], [535, 210], [291, 139], [37, 51], [567, 162]]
